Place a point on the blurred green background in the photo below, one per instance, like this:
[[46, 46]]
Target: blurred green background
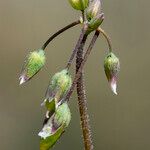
[[118, 122]]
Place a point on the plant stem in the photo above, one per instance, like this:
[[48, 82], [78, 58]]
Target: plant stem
[[106, 37], [82, 103], [83, 15], [59, 32], [84, 29], [81, 95], [82, 100], [77, 76]]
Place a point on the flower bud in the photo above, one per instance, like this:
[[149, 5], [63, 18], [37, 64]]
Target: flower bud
[[79, 4], [55, 126], [93, 10], [34, 62], [95, 22], [112, 67], [59, 86]]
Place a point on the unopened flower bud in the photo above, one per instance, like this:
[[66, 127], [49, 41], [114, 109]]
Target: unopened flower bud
[[34, 62], [55, 126], [93, 10], [112, 67], [95, 22], [59, 86], [79, 4]]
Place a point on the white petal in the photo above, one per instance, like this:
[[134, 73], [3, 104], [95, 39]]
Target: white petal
[[22, 80], [113, 84], [46, 131], [114, 87]]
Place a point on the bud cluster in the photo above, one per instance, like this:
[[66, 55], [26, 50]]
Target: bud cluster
[[93, 11], [58, 114]]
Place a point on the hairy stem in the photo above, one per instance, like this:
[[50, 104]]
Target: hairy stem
[[59, 32], [82, 100], [78, 74], [84, 29]]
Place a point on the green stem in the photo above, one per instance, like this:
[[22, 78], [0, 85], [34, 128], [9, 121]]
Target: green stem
[[59, 32], [83, 15]]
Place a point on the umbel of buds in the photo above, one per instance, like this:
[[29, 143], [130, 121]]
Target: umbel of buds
[[34, 62], [55, 126], [59, 86], [79, 4], [112, 67]]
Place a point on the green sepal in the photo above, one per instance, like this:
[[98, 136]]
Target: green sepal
[[62, 81], [50, 105], [33, 63], [36, 61], [59, 86], [95, 22], [63, 115], [111, 65]]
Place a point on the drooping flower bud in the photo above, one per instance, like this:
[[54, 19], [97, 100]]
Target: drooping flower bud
[[59, 86], [112, 67], [55, 126], [79, 4], [34, 62], [93, 10]]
